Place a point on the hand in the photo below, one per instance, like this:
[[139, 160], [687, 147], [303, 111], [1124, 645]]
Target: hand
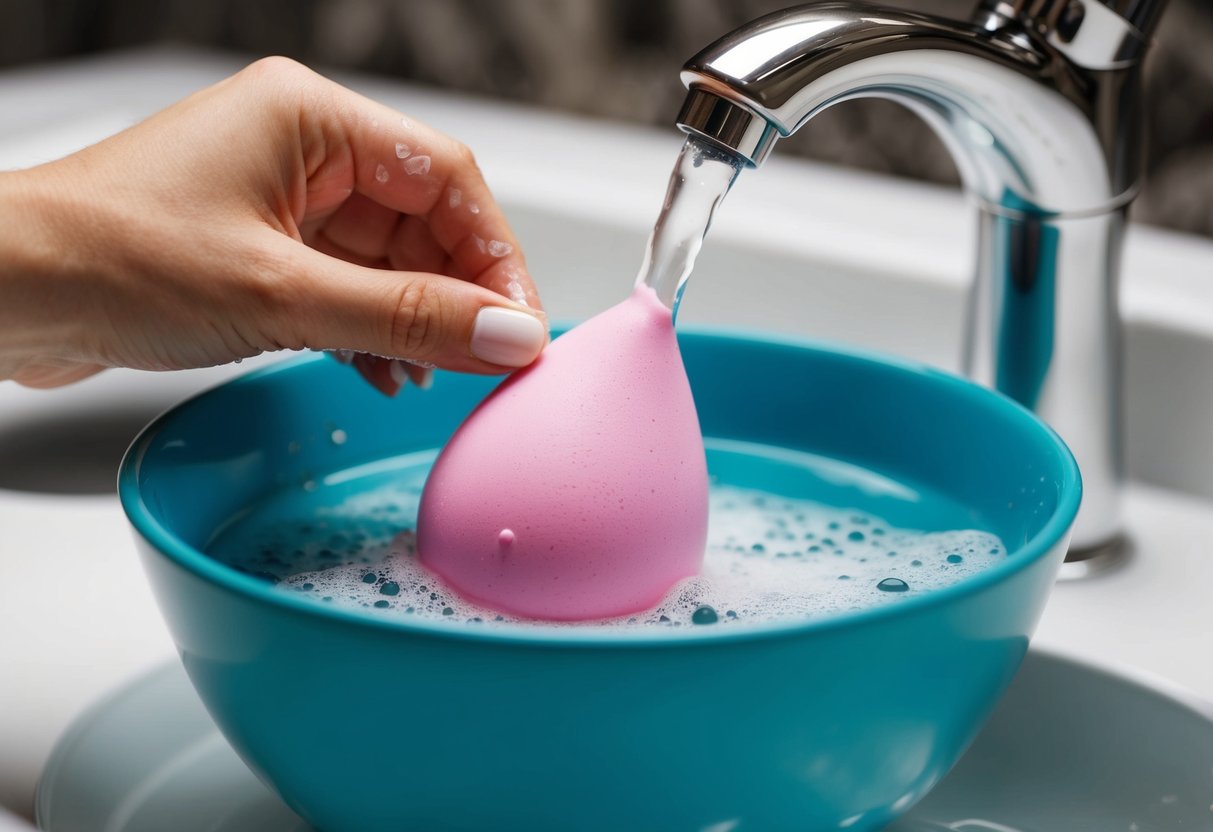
[[274, 210]]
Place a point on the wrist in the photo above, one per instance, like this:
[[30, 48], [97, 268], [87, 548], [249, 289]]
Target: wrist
[[38, 316]]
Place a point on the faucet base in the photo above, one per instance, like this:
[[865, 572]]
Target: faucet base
[[1091, 561]]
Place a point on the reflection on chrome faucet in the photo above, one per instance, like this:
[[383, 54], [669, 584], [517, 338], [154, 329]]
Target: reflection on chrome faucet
[[1039, 102]]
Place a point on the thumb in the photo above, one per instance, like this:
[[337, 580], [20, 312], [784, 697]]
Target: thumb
[[418, 316]]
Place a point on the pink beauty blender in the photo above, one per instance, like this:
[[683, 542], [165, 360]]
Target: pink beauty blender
[[578, 489]]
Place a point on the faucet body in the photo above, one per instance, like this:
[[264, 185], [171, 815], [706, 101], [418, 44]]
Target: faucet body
[[1039, 102]]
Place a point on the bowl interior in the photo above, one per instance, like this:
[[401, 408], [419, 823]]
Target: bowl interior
[[914, 446]]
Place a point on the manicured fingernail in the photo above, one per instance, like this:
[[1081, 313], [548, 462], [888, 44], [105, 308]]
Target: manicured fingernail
[[341, 356], [507, 337], [421, 373], [379, 372], [398, 373]]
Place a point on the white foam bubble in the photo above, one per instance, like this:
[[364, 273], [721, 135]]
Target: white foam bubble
[[453, 197], [768, 559], [402, 150], [498, 248], [513, 286], [517, 292], [381, 174], [417, 165]]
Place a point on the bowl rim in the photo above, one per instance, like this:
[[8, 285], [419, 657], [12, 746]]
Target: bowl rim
[[164, 543]]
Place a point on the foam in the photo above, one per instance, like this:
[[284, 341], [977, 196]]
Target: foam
[[768, 559], [416, 165]]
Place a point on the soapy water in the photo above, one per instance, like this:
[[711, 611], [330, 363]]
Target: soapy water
[[769, 558]]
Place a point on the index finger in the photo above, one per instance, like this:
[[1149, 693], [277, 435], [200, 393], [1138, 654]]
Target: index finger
[[409, 167]]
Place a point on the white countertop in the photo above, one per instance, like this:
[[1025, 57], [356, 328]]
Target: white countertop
[[76, 616]]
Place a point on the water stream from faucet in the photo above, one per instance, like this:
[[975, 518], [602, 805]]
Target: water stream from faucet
[[702, 176]]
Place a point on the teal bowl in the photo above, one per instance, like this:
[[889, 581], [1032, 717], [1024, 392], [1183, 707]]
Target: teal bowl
[[369, 723]]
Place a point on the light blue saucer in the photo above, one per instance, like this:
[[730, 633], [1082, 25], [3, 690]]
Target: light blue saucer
[[1071, 748]]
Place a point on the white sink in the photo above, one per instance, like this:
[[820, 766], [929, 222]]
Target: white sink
[[797, 248]]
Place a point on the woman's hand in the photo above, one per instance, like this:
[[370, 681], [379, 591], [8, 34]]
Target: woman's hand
[[273, 210]]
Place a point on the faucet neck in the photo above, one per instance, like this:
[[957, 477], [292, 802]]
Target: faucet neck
[[1031, 128], [1093, 34]]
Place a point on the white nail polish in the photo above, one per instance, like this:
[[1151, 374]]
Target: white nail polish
[[507, 337], [396, 371]]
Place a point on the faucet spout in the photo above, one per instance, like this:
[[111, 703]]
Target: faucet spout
[[1039, 102], [1027, 128]]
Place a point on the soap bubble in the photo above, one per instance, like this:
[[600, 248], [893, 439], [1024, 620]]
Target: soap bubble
[[373, 558]]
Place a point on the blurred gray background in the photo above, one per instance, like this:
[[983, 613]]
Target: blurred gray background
[[616, 59]]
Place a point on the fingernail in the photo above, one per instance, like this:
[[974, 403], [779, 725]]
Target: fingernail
[[379, 372], [507, 337], [421, 375], [398, 373], [341, 356]]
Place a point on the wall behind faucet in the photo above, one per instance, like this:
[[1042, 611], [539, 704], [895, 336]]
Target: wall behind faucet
[[618, 59]]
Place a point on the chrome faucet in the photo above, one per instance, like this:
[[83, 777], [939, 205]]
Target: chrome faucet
[[1040, 104]]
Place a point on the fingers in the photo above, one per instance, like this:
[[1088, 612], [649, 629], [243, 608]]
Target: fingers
[[422, 317], [361, 227], [405, 166], [51, 373], [423, 377], [413, 248], [384, 374], [387, 375]]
